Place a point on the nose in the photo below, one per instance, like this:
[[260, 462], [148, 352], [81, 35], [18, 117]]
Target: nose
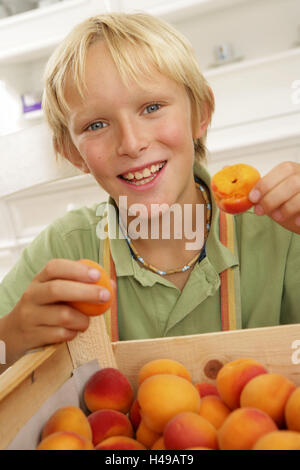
[[132, 139]]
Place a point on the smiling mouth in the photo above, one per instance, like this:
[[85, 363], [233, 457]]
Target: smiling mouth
[[144, 176]]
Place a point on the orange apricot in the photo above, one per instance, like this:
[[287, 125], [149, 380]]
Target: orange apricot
[[214, 410], [68, 418], [279, 440], [104, 281], [269, 393], [292, 411], [120, 443], [65, 440], [146, 436], [163, 396], [163, 366], [159, 444], [233, 376], [189, 429], [243, 427], [231, 187]]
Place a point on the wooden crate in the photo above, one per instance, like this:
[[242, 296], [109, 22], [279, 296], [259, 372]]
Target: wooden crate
[[26, 385]]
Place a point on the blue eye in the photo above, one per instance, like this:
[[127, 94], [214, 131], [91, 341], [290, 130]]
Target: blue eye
[[96, 125], [152, 107]]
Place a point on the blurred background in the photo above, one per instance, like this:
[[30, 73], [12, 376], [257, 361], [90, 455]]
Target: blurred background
[[249, 51]]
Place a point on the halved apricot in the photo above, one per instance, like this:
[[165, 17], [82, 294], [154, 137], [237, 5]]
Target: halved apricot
[[231, 187]]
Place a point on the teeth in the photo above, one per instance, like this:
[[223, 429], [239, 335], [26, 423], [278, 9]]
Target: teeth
[[145, 173]]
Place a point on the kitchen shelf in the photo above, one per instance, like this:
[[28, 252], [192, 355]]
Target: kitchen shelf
[[38, 25], [179, 10]]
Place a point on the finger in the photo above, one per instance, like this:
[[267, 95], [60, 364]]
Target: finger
[[288, 211], [60, 290], [67, 269], [53, 335], [277, 175], [280, 195], [63, 315]]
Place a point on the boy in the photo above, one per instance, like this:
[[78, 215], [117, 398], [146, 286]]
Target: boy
[[127, 103]]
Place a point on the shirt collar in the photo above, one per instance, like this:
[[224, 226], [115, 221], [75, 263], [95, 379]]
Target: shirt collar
[[218, 255]]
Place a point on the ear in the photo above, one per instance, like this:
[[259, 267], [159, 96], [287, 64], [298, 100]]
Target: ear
[[206, 115], [71, 153]]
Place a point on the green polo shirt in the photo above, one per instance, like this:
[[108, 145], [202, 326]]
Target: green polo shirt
[[149, 305]]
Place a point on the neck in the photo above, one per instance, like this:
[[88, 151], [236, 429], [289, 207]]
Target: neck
[[178, 233]]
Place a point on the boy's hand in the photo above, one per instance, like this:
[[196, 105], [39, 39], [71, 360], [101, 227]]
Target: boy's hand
[[41, 317], [277, 195]]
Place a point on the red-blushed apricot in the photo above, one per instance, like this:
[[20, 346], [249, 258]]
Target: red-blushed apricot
[[206, 388], [292, 411], [120, 443], [65, 440], [269, 393], [159, 444], [188, 429], [231, 187], [163, 366], [108, 423], [233, 377], [243, 427], [108, 388], [104, 281], [279, 440], [134, 414], [163, 396], [68, 418], [214, 410], [146, 436]]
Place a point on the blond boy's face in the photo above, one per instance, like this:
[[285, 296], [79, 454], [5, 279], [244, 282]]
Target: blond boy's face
[[122, 136]]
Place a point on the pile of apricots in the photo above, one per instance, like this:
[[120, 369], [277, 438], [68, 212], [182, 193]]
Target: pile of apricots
[[245, 408]]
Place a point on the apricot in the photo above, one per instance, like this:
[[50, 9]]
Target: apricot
[[279, 440], [163, 366], [65, 440], [214, 410], [107, 423], [104, 281], [243, 427], [206, 388], [231, 187], [120, 443], [269, 393], [163, 396], [188, 429], [68, 418], [159, 444], [134, 414], [233, 376], [292, 411], [146, 436], [108, 388]]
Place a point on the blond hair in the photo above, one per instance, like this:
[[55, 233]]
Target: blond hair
[[137, 42]]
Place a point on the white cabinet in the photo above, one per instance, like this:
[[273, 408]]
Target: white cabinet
[[257, 117]]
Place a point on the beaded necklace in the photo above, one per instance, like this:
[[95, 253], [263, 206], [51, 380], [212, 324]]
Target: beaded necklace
[[194, 259]]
